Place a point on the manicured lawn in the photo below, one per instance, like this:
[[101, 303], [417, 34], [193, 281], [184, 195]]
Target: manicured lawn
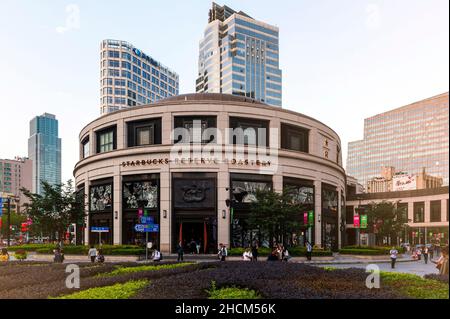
[[232, 293], [117, 291], [413, 286], [120, 270]]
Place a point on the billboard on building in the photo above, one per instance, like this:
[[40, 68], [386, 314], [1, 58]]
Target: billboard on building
[[404, 182]]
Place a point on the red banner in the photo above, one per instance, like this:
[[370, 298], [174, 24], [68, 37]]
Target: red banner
[[356, 221]]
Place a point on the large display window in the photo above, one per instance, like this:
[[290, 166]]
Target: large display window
[[330, 217], [302, 193], [243, 192], [101, 211], [140, 197]]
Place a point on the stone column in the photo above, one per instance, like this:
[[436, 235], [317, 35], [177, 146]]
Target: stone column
[[278, 183], [223, 224], [318, 212], [117, 207], [165, 236], [121, 134], [339, 217], [411, 212], [87, 185], [166, 123], [427, 212], [444, 210]]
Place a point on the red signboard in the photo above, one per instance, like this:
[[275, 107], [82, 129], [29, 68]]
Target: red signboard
[[356, 221]]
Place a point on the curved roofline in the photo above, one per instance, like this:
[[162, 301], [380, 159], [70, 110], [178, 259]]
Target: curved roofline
[[211, 97]]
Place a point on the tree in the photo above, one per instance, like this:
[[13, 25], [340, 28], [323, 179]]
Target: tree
[[386, 220], [275, 214], [54, 210]]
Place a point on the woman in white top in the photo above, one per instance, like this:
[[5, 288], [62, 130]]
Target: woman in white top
[[247, 256]]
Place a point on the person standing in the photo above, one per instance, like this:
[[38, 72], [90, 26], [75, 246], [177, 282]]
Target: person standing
[[442, 263], [222, 252], [255, 252], [425, 254], [180, 252], [394, 253], [193, 246], [92, 254], [308, 250], [198, 246]]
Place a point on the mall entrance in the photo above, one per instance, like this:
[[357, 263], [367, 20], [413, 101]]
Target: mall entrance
[[198, 236], [194, 206]]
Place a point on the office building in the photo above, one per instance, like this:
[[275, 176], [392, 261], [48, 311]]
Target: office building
[[15, 175], [409, 138], [129, 77], [239, 55], [44, 150]]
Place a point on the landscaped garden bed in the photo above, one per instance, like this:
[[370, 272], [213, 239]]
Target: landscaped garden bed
[[118, 250], [214, 280]]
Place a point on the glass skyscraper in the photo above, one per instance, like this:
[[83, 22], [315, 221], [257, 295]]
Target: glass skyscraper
[[409, 138], [44, 149], [240, 55], [129, 77]]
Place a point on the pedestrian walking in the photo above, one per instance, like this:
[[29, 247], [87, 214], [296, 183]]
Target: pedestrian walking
[[309, 249], [222, 252], [394, 253], [431, 251], [193, 246], [92, 254], [425, 254], [180, 252]]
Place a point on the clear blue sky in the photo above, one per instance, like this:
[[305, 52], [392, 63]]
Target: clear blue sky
[[342, 60]]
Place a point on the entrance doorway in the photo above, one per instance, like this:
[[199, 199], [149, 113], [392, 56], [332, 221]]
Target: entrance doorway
[[197, 236]]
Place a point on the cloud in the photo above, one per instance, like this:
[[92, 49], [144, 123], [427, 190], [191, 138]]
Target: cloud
[[72, 19]]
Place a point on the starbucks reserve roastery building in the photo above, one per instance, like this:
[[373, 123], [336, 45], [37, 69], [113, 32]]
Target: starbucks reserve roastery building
[[138, 162]]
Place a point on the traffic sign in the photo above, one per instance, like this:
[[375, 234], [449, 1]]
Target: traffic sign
[[146, 228], [147, 220], [100, 229]]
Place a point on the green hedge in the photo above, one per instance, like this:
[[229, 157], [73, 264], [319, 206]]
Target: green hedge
[[81, 250], [293, 251], [368, 251]]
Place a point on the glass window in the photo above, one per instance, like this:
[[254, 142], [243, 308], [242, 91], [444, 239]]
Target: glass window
[[419, 215], [193, 135], [294, 138], [106, 140], [146, 132], [86, 148], [435, 213], [255, 132]]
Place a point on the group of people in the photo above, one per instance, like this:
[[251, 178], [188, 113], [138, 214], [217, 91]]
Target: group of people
[[428, 254], [96, 255], [279, 253], [251, 253]]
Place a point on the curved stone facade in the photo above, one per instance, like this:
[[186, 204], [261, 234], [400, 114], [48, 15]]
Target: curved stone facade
[[202, 189]]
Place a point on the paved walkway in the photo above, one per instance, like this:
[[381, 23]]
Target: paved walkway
[[415, 267], [331, 260]]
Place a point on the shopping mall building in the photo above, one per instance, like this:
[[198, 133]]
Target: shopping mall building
[[192, 163]]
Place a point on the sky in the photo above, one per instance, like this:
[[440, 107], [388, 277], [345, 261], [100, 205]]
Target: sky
[[342, 61]]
